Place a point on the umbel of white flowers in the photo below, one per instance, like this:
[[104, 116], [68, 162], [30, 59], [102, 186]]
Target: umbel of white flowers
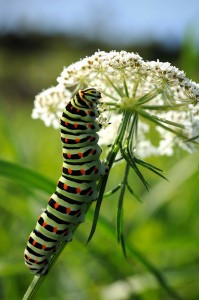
[[163, 98]]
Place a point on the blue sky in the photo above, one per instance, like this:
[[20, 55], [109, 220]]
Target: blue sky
[[115, 21]]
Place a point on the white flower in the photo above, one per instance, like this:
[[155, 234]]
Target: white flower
[[107, 133], [157, 92], [49, 104]]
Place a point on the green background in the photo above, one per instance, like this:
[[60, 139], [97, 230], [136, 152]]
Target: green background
[[161, 232]]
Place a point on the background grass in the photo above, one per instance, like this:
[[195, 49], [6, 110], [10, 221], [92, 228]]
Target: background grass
[[163, 228]]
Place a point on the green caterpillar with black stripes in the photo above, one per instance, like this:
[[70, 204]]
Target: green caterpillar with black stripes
[[76, 186]]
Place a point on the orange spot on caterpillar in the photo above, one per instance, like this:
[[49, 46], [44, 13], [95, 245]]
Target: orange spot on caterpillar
[[66, 123], [68, 210], [75, 125], [80, 154], [43, 247], [77, 140], [55, 229], [88, 112], [65, 186], [28, 257], [92, 151], [44, 224], [70, 171], [36, 261], [34, 242], [56, 205], [78, 190], [92, 138], [95, 170], [82, 171], [66, 140], [69, 155], [89, 125]]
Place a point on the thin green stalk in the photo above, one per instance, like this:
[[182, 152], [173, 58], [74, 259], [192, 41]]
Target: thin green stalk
[[159, 123], [150, 167], [114, 86], [131, 161], [148, 96], [135, 87], [125, 88], [192, 139], [131, 191], [120, 204], [116, 106], [132, 133], [113, 191], [159, 119], [109, 96], [164, 107]]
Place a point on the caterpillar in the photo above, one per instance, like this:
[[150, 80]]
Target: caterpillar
[[77, 185]]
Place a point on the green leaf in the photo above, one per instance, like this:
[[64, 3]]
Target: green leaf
[[159, 123], [114, 86], [133, 193], [119, 226], [150, 167], [120, 205], [101, 188], [132, 163], [148, 97], [25, 176], [123, 245], [113, 191], [192, 139], [153, 117], [164, 107], [126, 88]]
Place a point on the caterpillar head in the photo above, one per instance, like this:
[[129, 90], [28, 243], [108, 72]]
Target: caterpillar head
[[90, 94]]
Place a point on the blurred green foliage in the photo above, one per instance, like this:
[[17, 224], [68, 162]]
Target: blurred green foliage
[[163, 228]]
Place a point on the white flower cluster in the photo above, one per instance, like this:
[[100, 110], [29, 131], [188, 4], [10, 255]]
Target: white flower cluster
[[127, 82], [49, 104]]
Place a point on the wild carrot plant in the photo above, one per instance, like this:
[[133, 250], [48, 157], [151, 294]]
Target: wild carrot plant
[[147, 108]]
